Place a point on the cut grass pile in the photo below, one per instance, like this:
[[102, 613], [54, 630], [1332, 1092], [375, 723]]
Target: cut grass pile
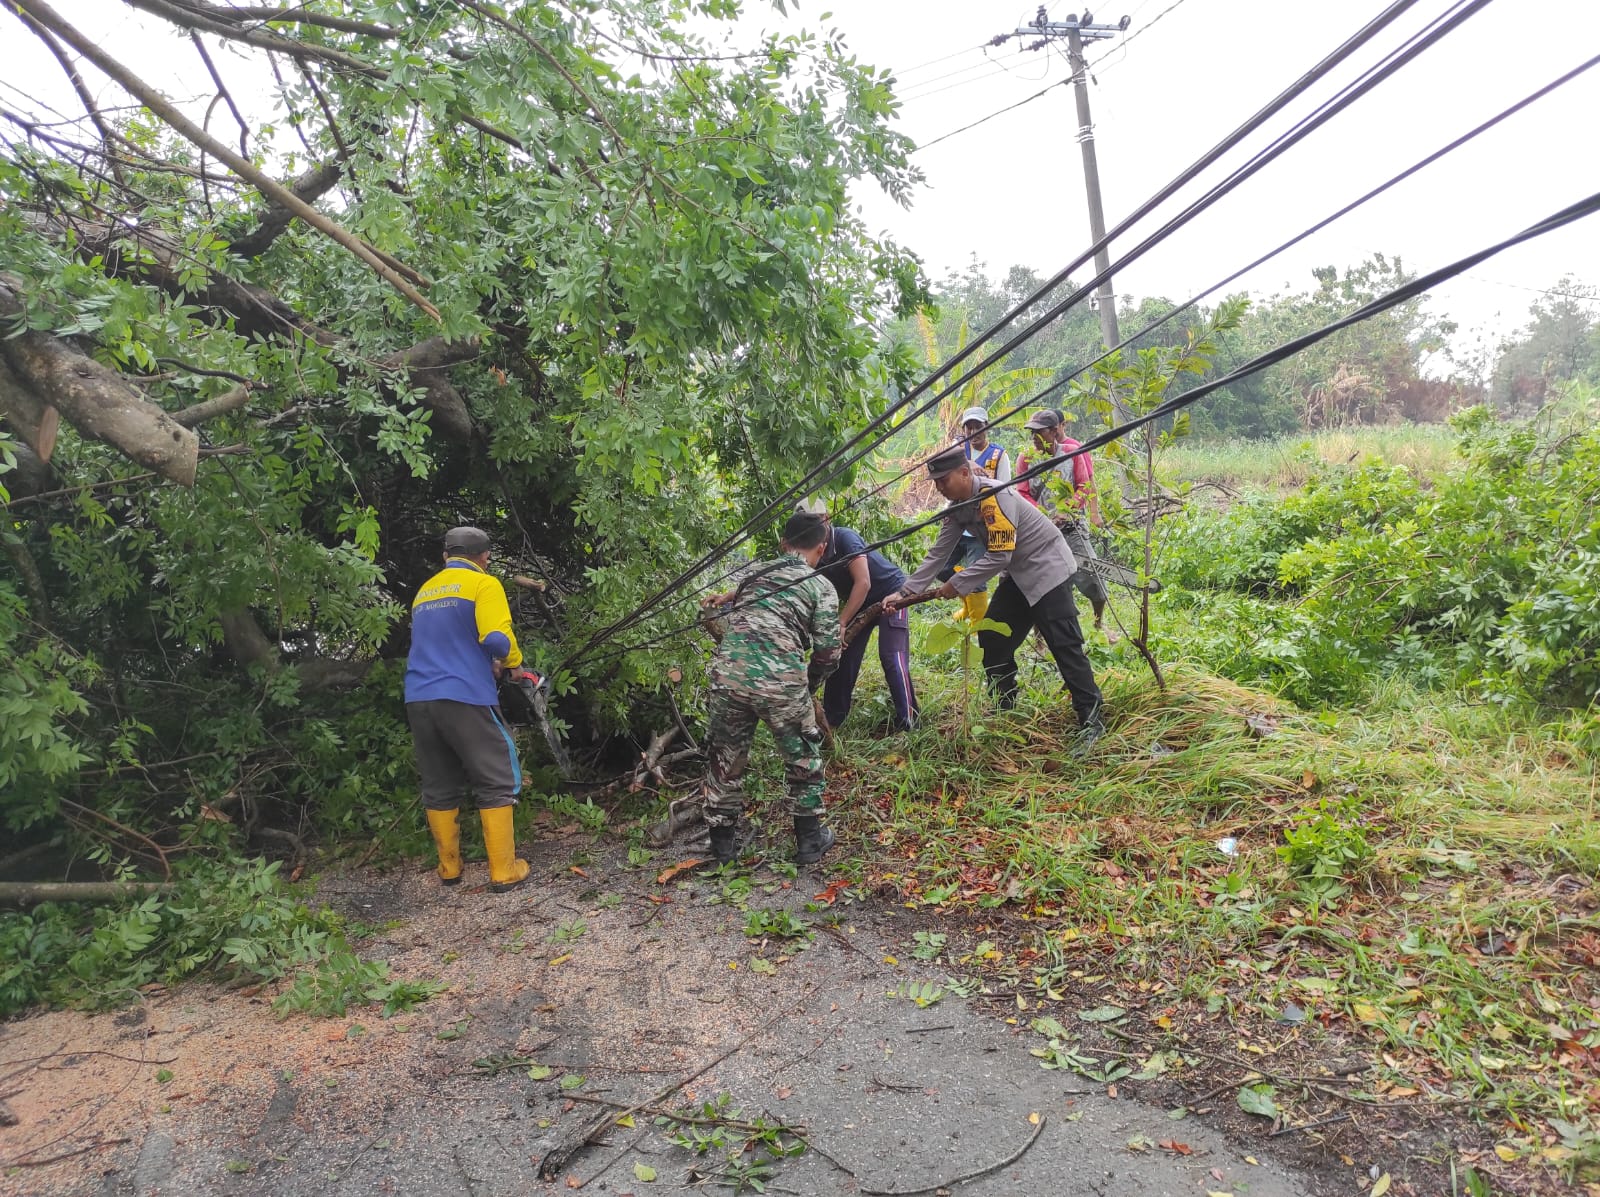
[[1416, 877]]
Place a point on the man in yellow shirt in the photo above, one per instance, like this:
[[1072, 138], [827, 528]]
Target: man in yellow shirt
[[461, 642]]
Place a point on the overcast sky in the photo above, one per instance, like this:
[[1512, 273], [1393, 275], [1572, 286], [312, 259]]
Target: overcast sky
[[1185, 73], [1011, 190]]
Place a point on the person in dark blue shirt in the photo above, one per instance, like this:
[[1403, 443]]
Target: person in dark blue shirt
[[861, 578]]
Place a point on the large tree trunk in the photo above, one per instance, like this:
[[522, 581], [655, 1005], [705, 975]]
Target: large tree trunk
[[96, 399]]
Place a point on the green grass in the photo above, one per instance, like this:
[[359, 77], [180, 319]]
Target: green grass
[[1431, 907], [1284, 463]]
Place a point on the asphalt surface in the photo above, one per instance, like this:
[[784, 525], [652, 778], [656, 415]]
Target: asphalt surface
[[893, 1097]]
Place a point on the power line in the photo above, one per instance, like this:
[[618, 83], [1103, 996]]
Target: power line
[[1374, 75], [1393, 298], [1393, 181], [1328, 63], [1122, 45], [983, 120], [986, 67]]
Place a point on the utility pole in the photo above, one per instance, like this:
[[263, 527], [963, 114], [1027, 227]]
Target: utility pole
[[1077, 31]]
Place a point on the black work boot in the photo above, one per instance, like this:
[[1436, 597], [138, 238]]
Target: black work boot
[[725, 843], [812, 838], [1089, 732]]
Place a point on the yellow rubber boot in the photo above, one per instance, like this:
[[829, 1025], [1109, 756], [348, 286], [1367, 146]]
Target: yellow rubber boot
[[500, 841], [447, 838]]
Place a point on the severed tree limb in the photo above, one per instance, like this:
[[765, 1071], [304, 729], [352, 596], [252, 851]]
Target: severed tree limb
[[30, 477], [97, 400], [28, 569], [426, 363], [209, 409], [43, 14], [249, 645], [32, 893], [196, 16], [298, 15]]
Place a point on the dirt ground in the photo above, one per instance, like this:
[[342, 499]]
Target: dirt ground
[[200, 1090]]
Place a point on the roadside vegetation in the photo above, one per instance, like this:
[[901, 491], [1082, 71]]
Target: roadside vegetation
[[1349, 787]]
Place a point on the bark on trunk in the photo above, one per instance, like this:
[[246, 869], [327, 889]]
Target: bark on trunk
[[97, 401], [35, 421], [249, 645], [32, 893], [312, 185]]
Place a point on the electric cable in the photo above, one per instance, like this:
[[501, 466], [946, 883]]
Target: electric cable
[[1417, 44], [1153, 326], [1410, 49], [1328, 63], [1393, 298]]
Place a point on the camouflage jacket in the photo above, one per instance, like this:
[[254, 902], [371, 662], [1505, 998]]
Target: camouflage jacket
[[781, 613]]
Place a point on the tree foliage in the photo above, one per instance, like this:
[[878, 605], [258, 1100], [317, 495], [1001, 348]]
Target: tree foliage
[[653, 308], [1485, 580]]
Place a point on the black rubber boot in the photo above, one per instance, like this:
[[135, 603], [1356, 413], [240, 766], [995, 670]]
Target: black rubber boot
[[725, 843], [1089, 732], [812, 839]]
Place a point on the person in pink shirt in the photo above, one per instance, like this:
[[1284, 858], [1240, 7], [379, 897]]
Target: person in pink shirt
[[1067, 495]]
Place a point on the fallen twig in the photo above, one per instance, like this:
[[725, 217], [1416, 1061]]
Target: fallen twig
[[556, 1158], [1305, 1126], [1038, 1129], [86, 1051], [688, 1119], [612, 1161], [24, 1162], [949, 1026]]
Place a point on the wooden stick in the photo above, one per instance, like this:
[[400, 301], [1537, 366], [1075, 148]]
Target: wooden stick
[[556, 1158], [32, 893], [867, 614], [1038, 1130]]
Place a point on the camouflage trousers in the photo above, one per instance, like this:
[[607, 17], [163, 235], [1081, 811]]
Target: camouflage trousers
[[733, 716]]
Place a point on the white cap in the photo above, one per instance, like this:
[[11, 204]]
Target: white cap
[[978, 414]]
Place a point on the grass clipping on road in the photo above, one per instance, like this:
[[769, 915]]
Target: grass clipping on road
[[1417, 878]]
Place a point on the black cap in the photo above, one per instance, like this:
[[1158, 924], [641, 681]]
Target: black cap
[[1042, 421], [466, 541], [948, 462], [802, 530]]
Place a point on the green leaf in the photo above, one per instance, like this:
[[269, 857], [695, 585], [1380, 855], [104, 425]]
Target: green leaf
[[992, 625], [942, 637], [644, 1172], [1257, 1099], [540, 1072], [572, 1081], [1103, 1014]]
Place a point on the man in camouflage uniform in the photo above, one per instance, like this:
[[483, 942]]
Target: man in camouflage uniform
[[780, 613]]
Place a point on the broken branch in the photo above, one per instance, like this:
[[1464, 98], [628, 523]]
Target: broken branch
[[1038, 1129], [158, 104]]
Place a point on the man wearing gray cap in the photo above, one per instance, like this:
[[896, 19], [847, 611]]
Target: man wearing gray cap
[[461, 642], [1035, 590]]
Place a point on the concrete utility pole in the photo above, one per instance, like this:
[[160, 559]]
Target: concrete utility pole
[[1077, 31]]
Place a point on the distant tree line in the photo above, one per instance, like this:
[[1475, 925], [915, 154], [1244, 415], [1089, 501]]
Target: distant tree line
[[1380, 371]]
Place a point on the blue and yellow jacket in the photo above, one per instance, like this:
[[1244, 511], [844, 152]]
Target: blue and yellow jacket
[[460, 624]]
